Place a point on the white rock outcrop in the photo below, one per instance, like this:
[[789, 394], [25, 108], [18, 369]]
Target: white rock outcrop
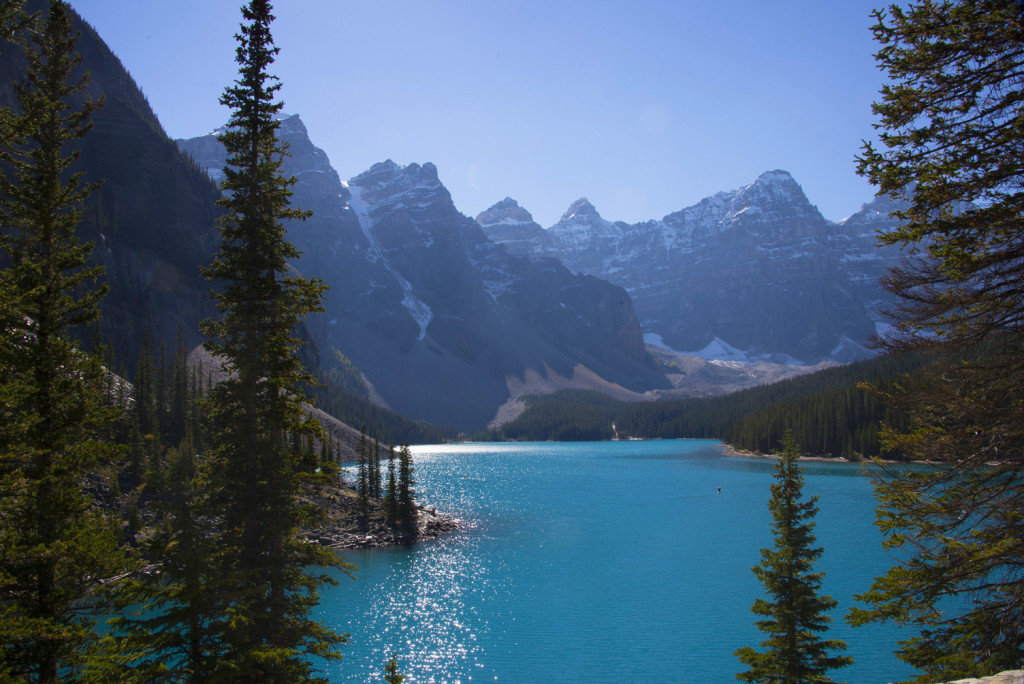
[[1008, 677]]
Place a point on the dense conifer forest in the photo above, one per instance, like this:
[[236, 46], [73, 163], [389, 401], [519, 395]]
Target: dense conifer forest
[[830, 413], [341, 398]]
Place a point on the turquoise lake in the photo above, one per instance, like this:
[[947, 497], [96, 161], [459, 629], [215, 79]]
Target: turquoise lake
[[597, 562]]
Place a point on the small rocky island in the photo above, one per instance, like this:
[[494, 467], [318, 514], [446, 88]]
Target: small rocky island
[[344, 528]]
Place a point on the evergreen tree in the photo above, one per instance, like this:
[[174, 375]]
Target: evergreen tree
[[12, 21], [375, 481], [952, 126], [795, 615], [391, 674], [265, 573], [407, 513], [161, 390], [391, 491], [363, 474], [179, 395], [54, 547], [175, 638], [147, 405]]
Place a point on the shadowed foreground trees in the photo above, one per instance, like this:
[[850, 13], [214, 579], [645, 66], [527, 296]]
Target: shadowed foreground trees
[[952, 132], [56, 548], [236, 586], [266, 576]]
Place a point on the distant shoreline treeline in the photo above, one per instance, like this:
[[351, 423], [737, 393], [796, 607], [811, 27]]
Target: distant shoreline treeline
[[830, 413]]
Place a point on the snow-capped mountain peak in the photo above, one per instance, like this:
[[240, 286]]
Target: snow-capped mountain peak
[[758, 267], [581, 209], [412, 185], [505, 212]]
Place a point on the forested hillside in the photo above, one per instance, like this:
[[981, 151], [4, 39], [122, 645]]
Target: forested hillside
[[343, 401], [564, 416], [829, 413]]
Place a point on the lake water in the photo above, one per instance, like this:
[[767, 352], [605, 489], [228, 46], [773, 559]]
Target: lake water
[[597, 562]]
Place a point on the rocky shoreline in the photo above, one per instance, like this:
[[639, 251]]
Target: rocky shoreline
[[344, 528], [353, 535], [742, 453]]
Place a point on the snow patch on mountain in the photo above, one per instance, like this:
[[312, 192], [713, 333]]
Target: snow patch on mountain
[[720, 351], [507, 212], [418, 309], [658, 341], [581, 223], [847, 351]]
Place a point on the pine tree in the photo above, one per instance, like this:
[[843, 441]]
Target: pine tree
[[179, 395], [54, 547], [264, 574], [391, 674], [146, 405], [952, 125], [391, 491], [162, 402], [175, 638], [363, 474], [375, 483], [407, 513], [795, 615], [13, 20]]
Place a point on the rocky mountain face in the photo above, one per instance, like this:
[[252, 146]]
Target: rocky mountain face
[[441, 321], [444, 324], [757, 270], [152, 220], [863, 260]]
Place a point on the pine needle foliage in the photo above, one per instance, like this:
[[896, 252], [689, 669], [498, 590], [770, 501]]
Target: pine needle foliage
[[390, 504], [951, 133], [408, 514], [794, 615], [55, 548], [391, 673], [266, 573]]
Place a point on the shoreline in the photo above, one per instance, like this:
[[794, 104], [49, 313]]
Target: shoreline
[[430, 525], [742, 453], [342, 526]]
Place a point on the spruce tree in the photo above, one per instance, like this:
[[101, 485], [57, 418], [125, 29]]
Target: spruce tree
[[363, 474], [407, 513], [951, 127], [391, 490], [375, 480], [265, 575], [55, 548], [146, 405], [794, 615], [391, 673], [179, 395], [12, 21], [176, 637]]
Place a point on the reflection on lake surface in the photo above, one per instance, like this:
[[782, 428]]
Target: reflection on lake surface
[[597, 562]]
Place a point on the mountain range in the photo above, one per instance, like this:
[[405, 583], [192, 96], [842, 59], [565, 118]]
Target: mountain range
[[444, 324], [755, 273], [451, 319]]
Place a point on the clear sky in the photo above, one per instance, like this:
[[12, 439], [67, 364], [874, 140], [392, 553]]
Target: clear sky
[[645, 107]]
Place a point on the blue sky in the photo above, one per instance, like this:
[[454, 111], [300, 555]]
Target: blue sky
[[644, 107]]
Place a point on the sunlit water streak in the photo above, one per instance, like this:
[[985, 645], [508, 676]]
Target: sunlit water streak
[[596, 562]]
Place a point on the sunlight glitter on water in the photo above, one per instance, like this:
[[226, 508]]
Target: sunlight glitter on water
[[602, 562]]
